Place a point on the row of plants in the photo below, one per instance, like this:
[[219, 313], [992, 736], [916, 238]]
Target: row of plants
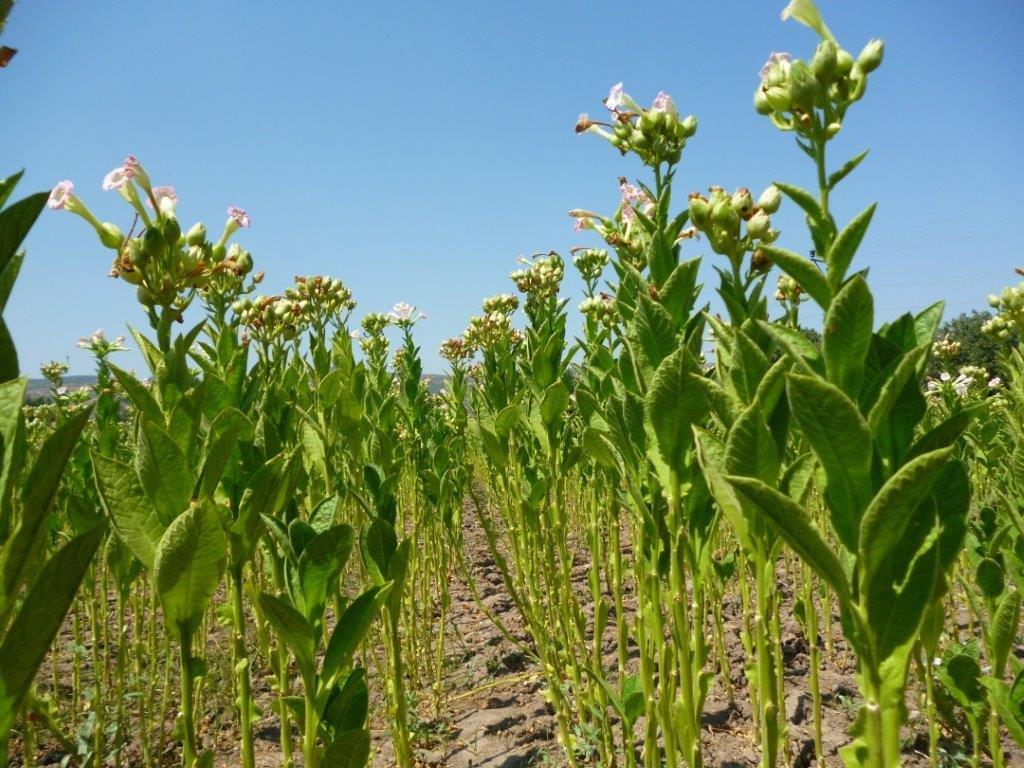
[[280, 497]]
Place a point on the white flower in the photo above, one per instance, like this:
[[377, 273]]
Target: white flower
[[945, 376], [962, 384], [616, 98], [60, 195], [994, 382], [663, 103], [117, 178]]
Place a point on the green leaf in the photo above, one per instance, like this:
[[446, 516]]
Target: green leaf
[[350, 630], [348, 709], [792, 523], [163, 471], [846, 335], [803, 271], [8, 277], [837, 176], [140, 395], [190, 560], [600, 449], [319, 566], [845, 246], [7, 185], [135, 520], [841, 440], [893, 387], [556, 400], [15, 222], [803, 198], [674, 404], [889, 513], [8, 354], [37, 495], [36, 624], [293, 630], [654, 331], [1003, 631], [350, 750], [220, 442], [750, 450], [377, 546]]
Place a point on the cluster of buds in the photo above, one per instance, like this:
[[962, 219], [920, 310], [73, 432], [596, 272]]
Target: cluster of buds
[[227, 276], [791, 89], [325, 297], [502, 303], [1009, 323], [456, 350], [271, 318], [601, 308], [946, 349], [372, 340], [541, 278], [971, 380], [735, 224], [656, 135], [54, 372], [788, 291], [490, 331], [590, 263], [163, 263]]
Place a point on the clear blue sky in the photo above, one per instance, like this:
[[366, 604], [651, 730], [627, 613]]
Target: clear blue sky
[[414, 150]]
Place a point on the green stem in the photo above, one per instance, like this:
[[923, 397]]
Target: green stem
[[242, 669], [188, 743]]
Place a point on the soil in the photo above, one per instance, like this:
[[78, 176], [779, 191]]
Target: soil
[[496, 716]]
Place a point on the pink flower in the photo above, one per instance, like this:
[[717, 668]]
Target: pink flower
[[240, 216], [776, 58], [164, 193], [663, 103], [131, 165], [616, 98], [60, 195], [116, 179]]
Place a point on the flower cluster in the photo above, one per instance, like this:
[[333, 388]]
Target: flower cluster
[[735, 224], [456, 350], [324, 298], [502, 303], [791, 89], [788, 291], [164, 265], [601, 308], [54, 372], [590, 263], [405, 315], [489, 331], [271, 318], [372, 340], [946, 349], [1008, 324], [656, 135], [970, 380], [541, 278]]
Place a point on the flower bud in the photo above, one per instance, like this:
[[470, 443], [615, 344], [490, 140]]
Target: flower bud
[[172, 231], [803, 88], [153, 243], [742, 202], [758, 225], [144, 296], [832, 129], [871, 57], [724, 215], [858, 83], [825, 62], [196, 235], [778, 98], [110, 235], [761, 104], [770, 199], [844, 62], [244, 262], [689, 125], [759, 261], [699, 210]]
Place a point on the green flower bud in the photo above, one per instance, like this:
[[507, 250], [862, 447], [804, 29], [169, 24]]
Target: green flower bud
[[803, 88], [824, 63], [844, 62], [153, 242], [110, 236], [761, 105], [218, 252], [778, 98], [724, 216], [172, 231], [758, 225], [196, 235], [770, 199], [699, 210], [832, 129], [742, 202], [689, 124], [244, 262], [144, 295], [871, 57], [858, 83]]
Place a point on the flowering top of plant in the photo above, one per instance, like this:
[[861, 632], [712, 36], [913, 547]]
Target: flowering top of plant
[[970, 380], [491, 331], [656, 135], [404, 315], [166, 266], [100, 345], [541, 278], [1008, 324], [721, 216]]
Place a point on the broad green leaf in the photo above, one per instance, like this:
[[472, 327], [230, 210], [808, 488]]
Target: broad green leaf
[[349, 750], [190, 560], [803, 271], [134, 519], [37, 495], [319, 566], [890, 511], [947, 432], [893, 386], [654, 331], [841, 440], [220, 442], [40, 617], [350, 630], [12, 398], [846, 335], [15, 222], [1003, 631], [792, 523], [600, 449], [8, 277], [347, 711], [845, 246], [556, 400], [140, 395], [803, 198], [674, 405], [377, 546], [750, 450], [292, 629], [163, 471]]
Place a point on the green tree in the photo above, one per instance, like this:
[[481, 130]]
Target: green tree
[[975, 347]]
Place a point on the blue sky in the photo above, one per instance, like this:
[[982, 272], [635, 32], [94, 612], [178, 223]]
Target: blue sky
[[415, 150]]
